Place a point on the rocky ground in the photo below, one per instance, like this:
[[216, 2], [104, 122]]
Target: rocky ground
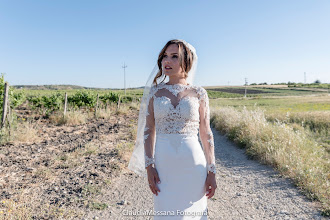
[[61, 175]]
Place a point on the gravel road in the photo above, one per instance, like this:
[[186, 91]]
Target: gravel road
[[246, 190]]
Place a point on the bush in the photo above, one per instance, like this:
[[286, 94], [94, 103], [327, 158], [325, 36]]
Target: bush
[[82, 98]]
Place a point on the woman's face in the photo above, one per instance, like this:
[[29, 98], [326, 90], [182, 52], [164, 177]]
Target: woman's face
[[170, 63]]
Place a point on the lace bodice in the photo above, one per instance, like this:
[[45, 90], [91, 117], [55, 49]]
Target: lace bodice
[[178, 109]]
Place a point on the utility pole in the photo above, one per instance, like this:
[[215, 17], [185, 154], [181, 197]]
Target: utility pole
[[245, 87], [124, 77], [305, 77], [5, 105]]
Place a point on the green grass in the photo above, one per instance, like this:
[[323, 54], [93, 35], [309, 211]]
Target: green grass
[[278, 104], [313, 85], [259, 92]]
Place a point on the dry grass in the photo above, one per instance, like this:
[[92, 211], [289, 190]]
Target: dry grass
[[44, 173], [23, 208], [122, 110], [76, 157], [287, 148], [74, 117], [103, 113], [134, 105], [26, 132], [125, 148], [316, 124], [314, 120], [22, 131], [133, 131], [10, 209]]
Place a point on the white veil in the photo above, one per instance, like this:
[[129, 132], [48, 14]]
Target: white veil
[[137, 161]]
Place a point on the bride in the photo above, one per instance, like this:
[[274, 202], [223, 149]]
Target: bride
[[180, 172]]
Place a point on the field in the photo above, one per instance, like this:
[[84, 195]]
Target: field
[[288, 130], [56, 166]]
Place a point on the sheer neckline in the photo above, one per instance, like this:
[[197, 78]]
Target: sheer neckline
[[178, 84]]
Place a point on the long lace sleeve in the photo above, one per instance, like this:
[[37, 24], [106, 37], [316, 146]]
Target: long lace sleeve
[[149, 134], [205, 132]]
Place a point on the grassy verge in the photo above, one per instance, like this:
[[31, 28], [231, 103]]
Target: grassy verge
[[315, 123], [288, 148]]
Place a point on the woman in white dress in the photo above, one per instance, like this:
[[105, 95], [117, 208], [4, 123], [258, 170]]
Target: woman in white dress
[[180, 172]]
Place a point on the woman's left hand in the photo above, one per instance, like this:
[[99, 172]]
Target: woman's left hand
[[210, 185]]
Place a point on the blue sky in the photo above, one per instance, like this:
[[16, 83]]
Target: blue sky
[[86, 42]]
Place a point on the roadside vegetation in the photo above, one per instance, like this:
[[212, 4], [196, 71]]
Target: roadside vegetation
[[289, 133]]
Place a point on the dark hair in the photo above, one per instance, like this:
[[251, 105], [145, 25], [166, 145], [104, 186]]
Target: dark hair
[[186, 58]]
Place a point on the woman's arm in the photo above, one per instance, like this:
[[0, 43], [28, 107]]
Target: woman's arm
[[149, 134], [149, 140], [205, 131], [206, 137]]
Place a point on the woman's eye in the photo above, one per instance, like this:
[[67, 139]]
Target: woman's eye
[[174, 56]]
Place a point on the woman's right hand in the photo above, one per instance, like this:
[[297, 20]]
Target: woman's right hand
[[153, 179]]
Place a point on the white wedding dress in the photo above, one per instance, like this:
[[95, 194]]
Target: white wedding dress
[[175, 115]]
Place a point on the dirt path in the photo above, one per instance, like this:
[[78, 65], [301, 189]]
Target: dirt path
[[246, 190]]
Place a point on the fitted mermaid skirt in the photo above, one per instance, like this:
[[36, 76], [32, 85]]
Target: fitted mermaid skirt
[[181, 166]]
